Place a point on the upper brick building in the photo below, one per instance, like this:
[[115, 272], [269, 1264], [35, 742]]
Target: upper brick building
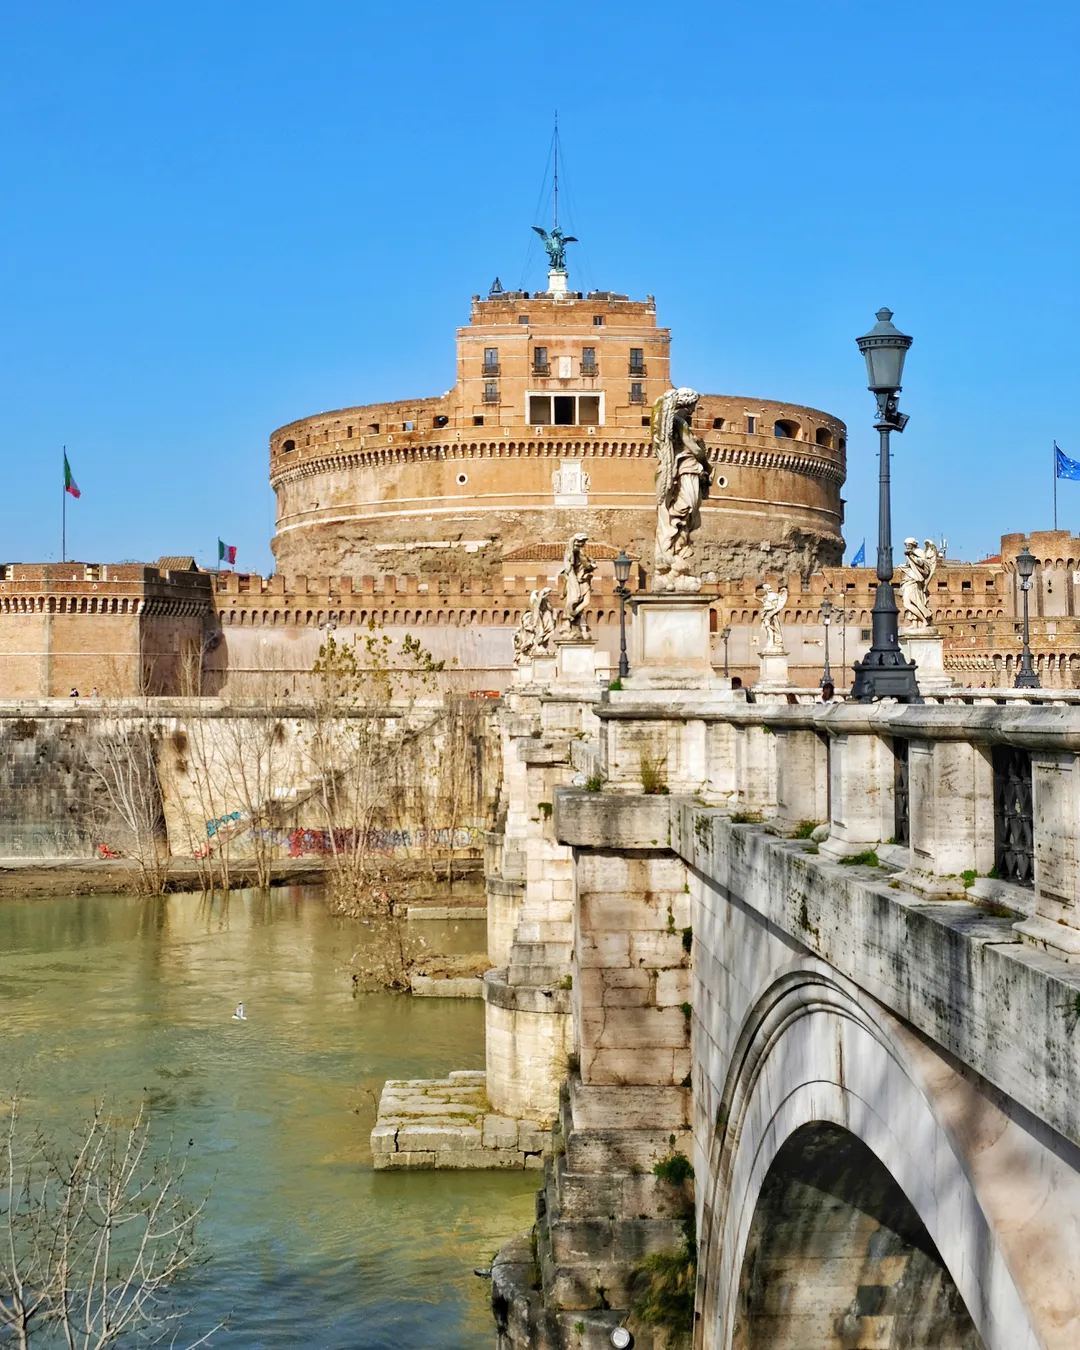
[[119, 628], [546, 432]]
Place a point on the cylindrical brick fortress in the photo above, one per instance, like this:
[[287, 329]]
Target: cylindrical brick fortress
[[544, 434]]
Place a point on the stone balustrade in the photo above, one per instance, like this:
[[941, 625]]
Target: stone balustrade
[[978, 797]]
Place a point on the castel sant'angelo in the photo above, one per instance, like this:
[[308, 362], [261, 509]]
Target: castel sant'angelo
[[439, 517], [545, 433]]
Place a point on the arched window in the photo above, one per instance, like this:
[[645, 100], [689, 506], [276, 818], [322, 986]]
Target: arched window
[[823, 437], [783, 429], [288, 447]]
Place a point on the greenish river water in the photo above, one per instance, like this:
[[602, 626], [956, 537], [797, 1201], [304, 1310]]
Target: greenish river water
[[310, 1246]]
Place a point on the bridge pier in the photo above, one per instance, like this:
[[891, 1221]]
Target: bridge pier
[[882, 1087]]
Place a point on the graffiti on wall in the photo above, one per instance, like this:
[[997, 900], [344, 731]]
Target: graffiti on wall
[[304, 842], [212, 826]]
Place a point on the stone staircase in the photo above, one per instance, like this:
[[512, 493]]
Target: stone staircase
[[601, 1214]]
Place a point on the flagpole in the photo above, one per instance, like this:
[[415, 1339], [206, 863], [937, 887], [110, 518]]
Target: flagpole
[[63, 513], [1055, 484]]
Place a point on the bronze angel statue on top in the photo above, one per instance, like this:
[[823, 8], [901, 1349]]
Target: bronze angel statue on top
[[683, 479], [556, 243]]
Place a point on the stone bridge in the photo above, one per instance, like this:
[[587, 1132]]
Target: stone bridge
[[866, 1049]]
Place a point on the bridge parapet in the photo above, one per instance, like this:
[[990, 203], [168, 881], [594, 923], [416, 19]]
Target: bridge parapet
[[976, 801]]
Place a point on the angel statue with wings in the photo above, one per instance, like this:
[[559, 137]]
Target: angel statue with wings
[[555, 243], [683, 478], [536, 629], [920, 564]]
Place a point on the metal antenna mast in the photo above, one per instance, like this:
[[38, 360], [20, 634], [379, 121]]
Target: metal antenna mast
[[556, 168]]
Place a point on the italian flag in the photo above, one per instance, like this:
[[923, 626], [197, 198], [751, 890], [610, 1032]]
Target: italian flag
[[70, 484], [226, 553]]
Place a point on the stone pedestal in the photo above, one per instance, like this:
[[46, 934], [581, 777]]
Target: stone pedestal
[[575, 661], [1055, 925], [926, 647], [951, 815], [774, 670], [557, 282], [861, 785], [543, 669], [669, 642]]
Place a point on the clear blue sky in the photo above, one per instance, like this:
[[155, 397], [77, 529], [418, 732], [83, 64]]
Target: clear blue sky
[[219, 217]]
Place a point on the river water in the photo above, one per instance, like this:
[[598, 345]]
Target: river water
[[309, 1245]]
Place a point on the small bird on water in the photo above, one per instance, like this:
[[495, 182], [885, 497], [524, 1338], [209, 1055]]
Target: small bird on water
[[239, 1015]]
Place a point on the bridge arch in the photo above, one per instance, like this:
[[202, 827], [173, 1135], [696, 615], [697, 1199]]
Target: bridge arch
[[820, 1069]]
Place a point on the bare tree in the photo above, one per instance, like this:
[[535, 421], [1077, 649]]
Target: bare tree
[[93, 1238], [122, 759]]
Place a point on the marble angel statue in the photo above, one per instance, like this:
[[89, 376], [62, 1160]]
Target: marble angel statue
[[772, 606], [683, 478], [576, 575], [919, 566], [533, 635]]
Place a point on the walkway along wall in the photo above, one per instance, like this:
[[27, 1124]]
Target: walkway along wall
[[874, 1074]]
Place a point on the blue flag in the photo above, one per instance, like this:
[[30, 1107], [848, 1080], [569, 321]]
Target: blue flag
[[1064, 467], [859, 559]]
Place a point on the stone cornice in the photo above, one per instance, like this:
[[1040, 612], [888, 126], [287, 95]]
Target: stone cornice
[[338, 459]]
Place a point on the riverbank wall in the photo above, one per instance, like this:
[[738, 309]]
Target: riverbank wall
[[233, 778]]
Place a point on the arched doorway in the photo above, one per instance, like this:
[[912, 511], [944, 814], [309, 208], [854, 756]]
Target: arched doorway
[[838, 1257]]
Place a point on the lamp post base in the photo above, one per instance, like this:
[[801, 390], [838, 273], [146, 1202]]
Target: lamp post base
[[885, 674]]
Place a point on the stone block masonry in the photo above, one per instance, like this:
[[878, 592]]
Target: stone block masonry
[[448, 1123]]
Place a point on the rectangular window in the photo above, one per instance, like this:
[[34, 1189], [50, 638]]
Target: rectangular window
[[478, 420], [348, 434], [539, 410], [751, 424], [491, 392], [718, 424], [637, 393], [637, 360], [564, 410], [540, 361], [588, 410], [408, 426], [523, 318], [598, 320], [588, 360], [491, 360]]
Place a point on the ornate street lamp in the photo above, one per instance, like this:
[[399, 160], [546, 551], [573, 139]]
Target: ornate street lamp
[[884, 672], [622, 576], [1025, 676], [725, 634], [826, 619]]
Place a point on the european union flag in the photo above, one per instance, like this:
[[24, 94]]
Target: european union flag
[[859, 559], [1064, 467]]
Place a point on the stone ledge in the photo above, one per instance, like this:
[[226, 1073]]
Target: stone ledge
[[425, 912], [463, 986], [609, 820], [524, 997], [445, 1124]]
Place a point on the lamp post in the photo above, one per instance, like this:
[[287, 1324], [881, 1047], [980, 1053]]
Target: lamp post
[[826, 619], [725, 634], [1025, 676], [622, 576], [884, 672]]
